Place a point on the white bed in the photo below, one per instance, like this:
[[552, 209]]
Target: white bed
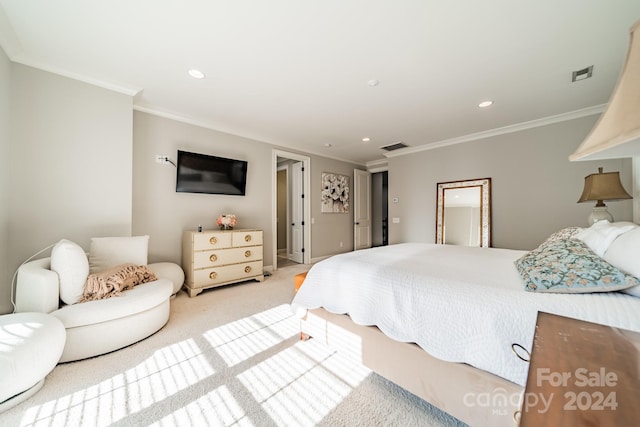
[[464, 306]]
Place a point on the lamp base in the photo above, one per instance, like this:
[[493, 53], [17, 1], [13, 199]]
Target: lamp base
[[599, 213]]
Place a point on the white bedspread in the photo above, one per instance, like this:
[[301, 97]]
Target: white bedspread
[[460, 304]]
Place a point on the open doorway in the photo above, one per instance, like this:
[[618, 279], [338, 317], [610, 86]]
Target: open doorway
[[281, 215], [380, 209], [291, 209]]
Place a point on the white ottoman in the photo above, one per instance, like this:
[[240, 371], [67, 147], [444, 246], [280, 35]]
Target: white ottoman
[[30, 346]]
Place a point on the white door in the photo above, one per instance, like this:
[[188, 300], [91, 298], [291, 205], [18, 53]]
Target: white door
[[297, 214], [361, 209]]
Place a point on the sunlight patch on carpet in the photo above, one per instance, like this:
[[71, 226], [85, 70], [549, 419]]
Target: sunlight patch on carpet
[[341, 364], [166, 372], [296, 389], [218, 407], [240, 340]]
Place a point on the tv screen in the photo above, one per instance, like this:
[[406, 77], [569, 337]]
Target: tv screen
[[200, 173]]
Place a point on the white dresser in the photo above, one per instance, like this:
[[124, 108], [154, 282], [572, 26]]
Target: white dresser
[[215, 258]]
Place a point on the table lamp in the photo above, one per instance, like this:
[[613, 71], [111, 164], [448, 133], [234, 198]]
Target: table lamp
[[602, 186]]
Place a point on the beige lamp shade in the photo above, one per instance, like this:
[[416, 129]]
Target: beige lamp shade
[[617, 132], [603, 186], [599, 187]]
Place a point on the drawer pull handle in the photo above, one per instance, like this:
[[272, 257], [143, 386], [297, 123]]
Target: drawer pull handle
[[213, 240], [517, 416], [247, 269], [213, 258], [517, 349], [247, 238], [213, 275], [247, 254]]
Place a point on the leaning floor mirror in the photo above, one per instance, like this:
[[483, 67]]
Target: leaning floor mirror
[[463, 214]]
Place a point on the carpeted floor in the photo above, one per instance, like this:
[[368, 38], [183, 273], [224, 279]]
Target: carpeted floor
[[230, 356]]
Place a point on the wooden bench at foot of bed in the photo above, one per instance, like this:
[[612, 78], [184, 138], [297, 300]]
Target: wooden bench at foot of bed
[[474, 396]]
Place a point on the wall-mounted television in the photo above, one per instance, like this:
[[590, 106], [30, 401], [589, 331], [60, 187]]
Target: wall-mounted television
[[201, 173]]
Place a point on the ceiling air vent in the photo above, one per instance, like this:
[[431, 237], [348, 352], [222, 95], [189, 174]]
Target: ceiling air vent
[[394, 146], [583, 74]]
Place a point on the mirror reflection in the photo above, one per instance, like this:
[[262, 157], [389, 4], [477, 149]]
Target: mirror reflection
[[463, 216]]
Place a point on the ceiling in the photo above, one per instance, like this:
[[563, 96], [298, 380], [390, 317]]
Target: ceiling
[[297, 73]]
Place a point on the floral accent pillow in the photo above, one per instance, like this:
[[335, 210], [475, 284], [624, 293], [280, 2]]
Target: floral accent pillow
[[564, 234], [569, 266]]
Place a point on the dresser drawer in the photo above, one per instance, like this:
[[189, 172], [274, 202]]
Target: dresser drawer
[[227, 273], [204, 241], [206, 259], [247, 238]]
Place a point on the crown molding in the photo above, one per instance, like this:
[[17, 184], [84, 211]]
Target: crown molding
[[571, 115], [213, 126], [14, 51], [126, 90], [377, 165]]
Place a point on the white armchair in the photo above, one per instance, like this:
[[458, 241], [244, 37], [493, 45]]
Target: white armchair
[[100, 326]]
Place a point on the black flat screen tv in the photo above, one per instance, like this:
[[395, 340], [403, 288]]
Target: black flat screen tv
[[201, 173]]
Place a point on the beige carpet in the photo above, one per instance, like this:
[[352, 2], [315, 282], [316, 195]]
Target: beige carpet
[[230, 356]]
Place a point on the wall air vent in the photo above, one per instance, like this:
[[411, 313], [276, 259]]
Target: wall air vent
[[395, 146]]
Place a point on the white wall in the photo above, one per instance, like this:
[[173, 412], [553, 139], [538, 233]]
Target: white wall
[[330, 230], [70, 163], [534, 186], [164, 214], [161, 212], [5, 275]]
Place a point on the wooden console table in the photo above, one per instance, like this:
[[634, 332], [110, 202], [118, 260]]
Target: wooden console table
[[582, 374]]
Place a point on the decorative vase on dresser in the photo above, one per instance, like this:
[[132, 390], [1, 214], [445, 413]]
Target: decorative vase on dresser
[[214, 258]]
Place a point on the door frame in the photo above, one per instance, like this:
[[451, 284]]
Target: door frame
[[279, 169], [635, 188], [306, 162]]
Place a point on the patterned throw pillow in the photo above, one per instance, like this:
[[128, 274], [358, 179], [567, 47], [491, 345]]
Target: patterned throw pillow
[[564, 234], [569, 266]]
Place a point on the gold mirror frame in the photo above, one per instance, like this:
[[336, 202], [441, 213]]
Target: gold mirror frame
[[485, 208]]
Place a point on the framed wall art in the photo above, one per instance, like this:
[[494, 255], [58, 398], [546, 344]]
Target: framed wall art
[[335, 193]]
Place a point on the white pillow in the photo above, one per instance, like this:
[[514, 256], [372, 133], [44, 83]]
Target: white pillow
[[624, 253], [107, 252], [601, 234], [70, 262]]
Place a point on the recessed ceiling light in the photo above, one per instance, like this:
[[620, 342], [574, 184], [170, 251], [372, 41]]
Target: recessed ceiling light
[[373, 82], [485, 104], [366, 139], [327, 145], [196, 74]]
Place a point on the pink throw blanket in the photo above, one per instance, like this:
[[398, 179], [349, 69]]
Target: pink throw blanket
[[112, 282]]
